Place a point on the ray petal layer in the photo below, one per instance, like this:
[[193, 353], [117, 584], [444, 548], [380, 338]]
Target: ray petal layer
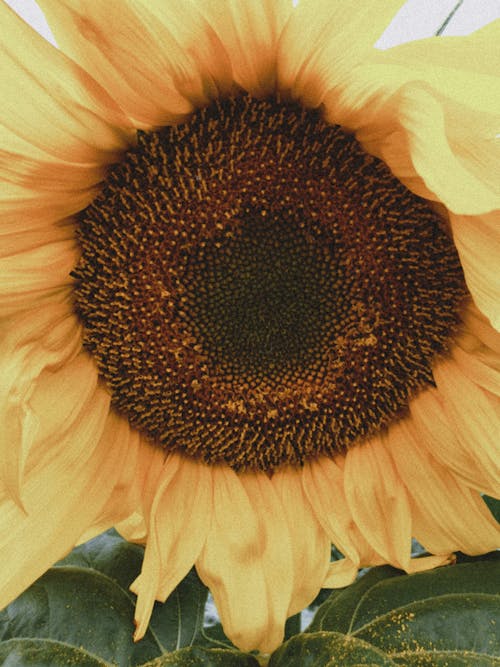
[[431, 110]]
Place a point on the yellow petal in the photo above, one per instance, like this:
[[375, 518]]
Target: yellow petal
[[35, 264], [67, 482], [43, 268], [482, 366], [158, 62], [477, 239], [437, 434], [13, 307], [124, 508], [249, 33], [62, 111], [42, 339], [378, 501], [324, 41], [37, 190], [145, 480], [179, 521], [247, 561], [324, 486], [20, 241], [429, 109], [473, 417], [446, 516], [477, 324], [309, 543], [342, 573]]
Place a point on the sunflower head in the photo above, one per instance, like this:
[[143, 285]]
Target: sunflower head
[[233, 324], [259, 291]]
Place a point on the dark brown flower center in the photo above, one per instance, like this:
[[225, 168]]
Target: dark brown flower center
[[257, 290]]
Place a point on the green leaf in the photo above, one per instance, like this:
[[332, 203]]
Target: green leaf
[[110, 554], [178, 622], [385, 588], [45, 653], [465, 622], [83, 608], [175, 623], [335, 614], [328, 649], [213, 636], [292, 626], [447, 616], [197, 656], [493, 506], [446, 659], [480, 577]]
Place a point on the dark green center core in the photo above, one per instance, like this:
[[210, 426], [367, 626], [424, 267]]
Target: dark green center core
[[258, 291]]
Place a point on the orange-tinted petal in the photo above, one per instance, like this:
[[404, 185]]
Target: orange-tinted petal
[[249, 32], [62, 112], [158, 62], [44, 268], [479, 326], [37, 192]]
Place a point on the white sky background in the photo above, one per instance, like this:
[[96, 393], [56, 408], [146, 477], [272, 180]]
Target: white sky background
[[417, 19]]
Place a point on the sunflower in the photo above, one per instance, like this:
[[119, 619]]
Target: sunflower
[[250, 296]]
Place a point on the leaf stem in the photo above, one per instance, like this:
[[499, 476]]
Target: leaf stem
[[443, 26]]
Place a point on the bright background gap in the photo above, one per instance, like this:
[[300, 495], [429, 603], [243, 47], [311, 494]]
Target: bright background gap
[[415, 20]]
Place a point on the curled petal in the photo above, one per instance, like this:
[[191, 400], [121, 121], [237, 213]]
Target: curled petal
[[477, 239], [67, 481], [314, 53], [446, 515], [378, 501], [429, 109], [309, 543], [247, 561], [178, 524], [44, 339]]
